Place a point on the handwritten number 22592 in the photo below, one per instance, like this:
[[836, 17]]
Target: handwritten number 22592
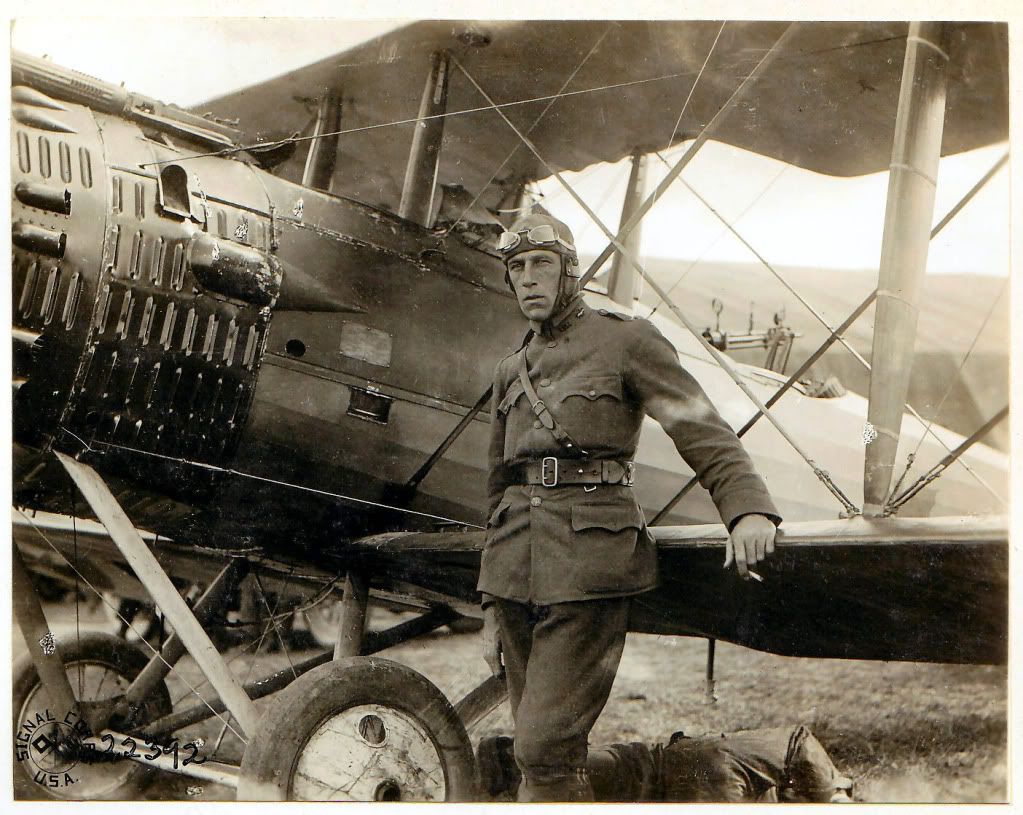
[[156, 750]]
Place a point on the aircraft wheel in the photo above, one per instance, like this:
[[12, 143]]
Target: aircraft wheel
[[359, 729], [100, 667]]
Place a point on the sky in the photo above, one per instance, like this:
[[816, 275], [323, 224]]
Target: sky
[[789, 215]]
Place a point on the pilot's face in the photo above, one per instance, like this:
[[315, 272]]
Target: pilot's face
[[536, 277]]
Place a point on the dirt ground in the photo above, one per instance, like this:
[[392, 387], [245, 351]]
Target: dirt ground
[[905, 732]]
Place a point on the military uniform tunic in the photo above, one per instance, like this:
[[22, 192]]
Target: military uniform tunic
[[598, 373]]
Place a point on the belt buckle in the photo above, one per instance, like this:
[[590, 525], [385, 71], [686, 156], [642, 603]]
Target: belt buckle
[[546, 464], [630, 471]]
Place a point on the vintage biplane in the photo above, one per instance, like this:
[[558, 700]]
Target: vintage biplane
[[264, 331]]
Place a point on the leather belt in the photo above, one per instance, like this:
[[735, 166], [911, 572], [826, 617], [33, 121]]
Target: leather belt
[[553, 472]]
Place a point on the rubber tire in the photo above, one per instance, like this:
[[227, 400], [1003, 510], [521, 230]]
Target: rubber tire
[[298, 710], [96, 648]]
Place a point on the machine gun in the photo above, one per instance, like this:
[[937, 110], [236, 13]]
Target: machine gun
[[776, 340]]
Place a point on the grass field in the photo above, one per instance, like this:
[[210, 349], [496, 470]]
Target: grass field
[[905, 732]]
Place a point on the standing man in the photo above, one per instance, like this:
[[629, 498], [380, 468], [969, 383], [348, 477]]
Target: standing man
[[566, 541]]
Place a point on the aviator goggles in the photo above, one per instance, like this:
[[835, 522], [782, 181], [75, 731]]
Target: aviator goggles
[[542, 235]]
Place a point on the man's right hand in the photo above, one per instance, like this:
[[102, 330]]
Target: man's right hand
[[492, 641]]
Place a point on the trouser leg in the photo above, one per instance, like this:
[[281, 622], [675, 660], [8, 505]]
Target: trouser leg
[[515, 621], [570, 665]]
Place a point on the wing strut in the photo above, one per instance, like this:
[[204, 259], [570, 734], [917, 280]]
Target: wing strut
[[163, 592], [622, 283], [417, 193], [908, 215], [322, 156], [838, 335], [43, 648], [738, 94]]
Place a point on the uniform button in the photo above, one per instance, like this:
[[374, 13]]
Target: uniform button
[[552, 345], [537, 424], [593, 393], [545, 383], [535, 502]]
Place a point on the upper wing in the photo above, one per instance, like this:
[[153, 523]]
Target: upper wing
[[828, 104]]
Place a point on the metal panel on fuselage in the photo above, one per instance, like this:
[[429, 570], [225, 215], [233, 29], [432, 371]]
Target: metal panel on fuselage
[[140, 360], [170, 368], [440, 315], [53, 296]]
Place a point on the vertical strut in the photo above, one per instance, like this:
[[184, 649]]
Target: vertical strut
[[908, 215], [622, 282], [353, 616], [212, 601], [149, 572], [43, 648], [417, 193], [513, 203], [708, 130], [322, 157], [709, 696]]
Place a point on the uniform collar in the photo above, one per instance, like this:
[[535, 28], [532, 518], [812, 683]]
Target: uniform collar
[[575, 311]]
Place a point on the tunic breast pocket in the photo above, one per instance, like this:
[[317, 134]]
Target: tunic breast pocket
[[605, 544], [593, 388], [593, 409]]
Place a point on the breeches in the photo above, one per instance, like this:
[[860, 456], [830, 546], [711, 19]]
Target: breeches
[[560, 662]]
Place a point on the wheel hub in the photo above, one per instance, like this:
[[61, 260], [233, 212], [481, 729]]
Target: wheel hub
[[369, 753]]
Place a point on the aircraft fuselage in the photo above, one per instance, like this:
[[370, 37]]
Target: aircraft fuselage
[[166, 341], [249, 360]]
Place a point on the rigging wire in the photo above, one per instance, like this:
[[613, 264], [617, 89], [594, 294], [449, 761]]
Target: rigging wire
[[778, 275], [286, 484], [280, 142], [252, 662], [821, 474], [273, 611], [971, 193], [127, 623], [953, 380], [696, 82], [773, 53], [776, 396], [820, 318], [719, 235], [257, 642], [608, 192], [227, 151], [515, 149], [620, 172], [895, 504], [692, 90]]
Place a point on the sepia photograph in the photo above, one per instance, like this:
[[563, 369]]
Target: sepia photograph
[[510, 410]]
